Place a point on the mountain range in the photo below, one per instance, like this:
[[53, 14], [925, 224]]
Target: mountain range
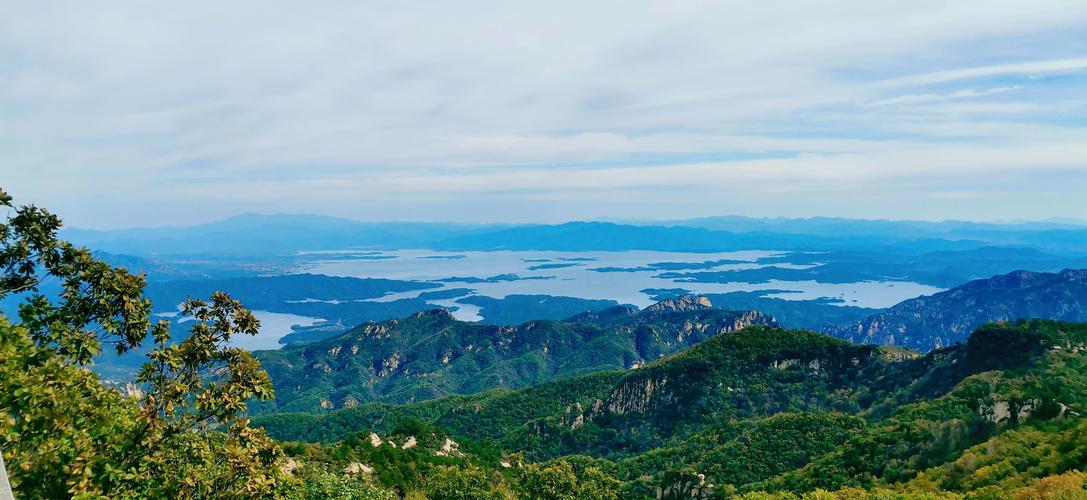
[[430, 354], [945, 318], [684, 399], [769, 409], [258, 234]]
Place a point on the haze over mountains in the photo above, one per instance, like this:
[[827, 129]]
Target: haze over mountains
[[286, 233], [264, 260], [482, 345], [489, 251], [498, 349], [430, 354]]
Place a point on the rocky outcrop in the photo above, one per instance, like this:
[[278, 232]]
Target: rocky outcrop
[[639, 396], [355, 468], [289, 466], [440, 314], [685, 486], [813, 368], [374, 331], [1009, 411], [680, 304], [388, 365], [449, 448]]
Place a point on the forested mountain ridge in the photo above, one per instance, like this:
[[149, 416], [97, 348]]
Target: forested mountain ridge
[[659, 393], [431, 354], [942, 319], [788, 411], [742, 412]]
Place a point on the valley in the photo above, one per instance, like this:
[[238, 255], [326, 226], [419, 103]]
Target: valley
[[678, 250], [312, 295], [766, 409], [639, 373]]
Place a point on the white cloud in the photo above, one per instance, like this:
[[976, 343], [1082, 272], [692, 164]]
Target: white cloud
[[1021, 68], [105, 109], [931, 97]]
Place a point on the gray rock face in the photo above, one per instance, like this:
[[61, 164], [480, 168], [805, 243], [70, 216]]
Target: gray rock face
[[680, 304], [999, 412], [639, 397]]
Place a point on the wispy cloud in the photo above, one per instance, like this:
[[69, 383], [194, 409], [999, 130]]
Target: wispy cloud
[[1020, 68], [141, 113], [931, 97]]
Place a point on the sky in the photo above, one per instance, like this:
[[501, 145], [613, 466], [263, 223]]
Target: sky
[[123, 114]]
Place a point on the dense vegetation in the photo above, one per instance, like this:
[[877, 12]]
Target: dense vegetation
[[790, 412], [179, 431], [63, 433], [431, 354], [710, 403]]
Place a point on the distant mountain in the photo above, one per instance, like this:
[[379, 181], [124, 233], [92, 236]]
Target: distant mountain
[[431, 354], [838, 250], [905, 229], [948, 317], [765, 409], [583, 236], [259, 234]]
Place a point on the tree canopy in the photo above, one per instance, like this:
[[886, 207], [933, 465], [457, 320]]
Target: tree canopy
[[64, 432]]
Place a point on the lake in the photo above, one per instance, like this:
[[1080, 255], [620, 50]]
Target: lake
[[571, 274]]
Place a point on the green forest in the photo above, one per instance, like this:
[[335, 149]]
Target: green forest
[[759, 412]]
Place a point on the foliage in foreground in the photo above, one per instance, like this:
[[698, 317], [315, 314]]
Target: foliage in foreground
[[65, 434], [764, 414]]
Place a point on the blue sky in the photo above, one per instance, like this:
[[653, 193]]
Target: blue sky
[[149, 114]]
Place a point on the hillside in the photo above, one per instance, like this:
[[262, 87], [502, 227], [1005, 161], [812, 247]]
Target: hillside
[[756, 370], [787, 410], [431, 354], [945, 318]]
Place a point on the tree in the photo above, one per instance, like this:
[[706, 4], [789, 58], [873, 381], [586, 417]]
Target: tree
[[559, 481], [321, 484], [465, 483], [1070, 485], [64, 433]]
